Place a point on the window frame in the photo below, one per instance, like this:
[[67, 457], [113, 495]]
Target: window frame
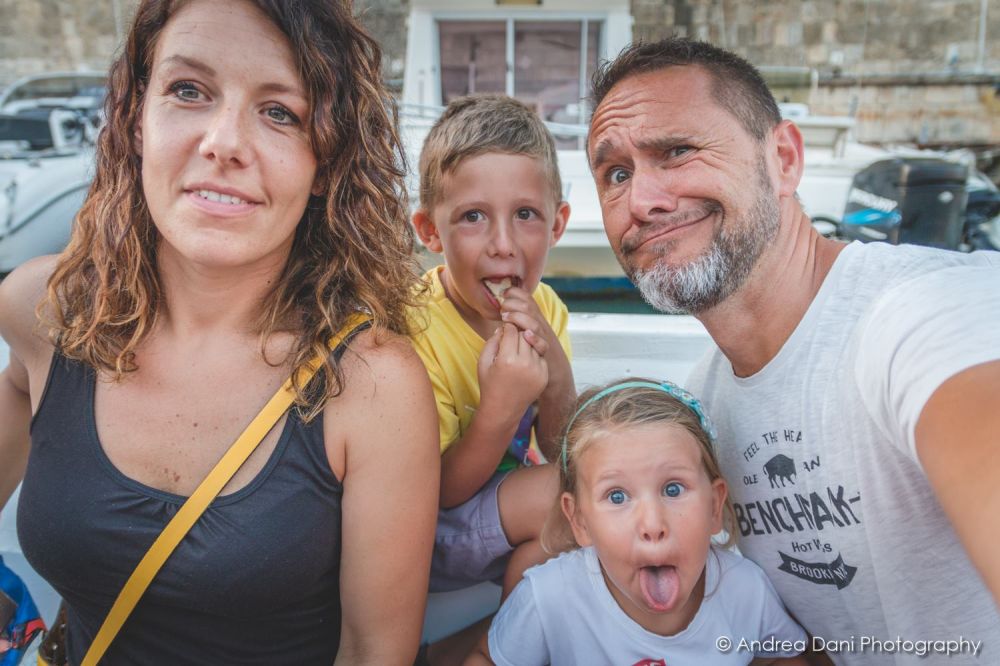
[[510, 18]]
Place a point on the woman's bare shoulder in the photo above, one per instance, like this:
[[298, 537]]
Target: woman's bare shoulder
[[380, 364], [20, 293], [387, 398]]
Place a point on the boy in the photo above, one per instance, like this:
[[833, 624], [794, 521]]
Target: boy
[[492, 336]]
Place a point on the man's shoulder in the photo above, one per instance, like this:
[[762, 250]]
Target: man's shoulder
[[711, 365], [879, 265]]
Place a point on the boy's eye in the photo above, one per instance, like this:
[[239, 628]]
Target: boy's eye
[[617, 176], [525, 213], [472, 216], [617, 497], [673, 489]]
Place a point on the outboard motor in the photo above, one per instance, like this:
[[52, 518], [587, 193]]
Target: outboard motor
[[907, 200]]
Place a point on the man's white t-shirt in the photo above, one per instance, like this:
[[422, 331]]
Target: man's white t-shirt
[[562, 613], [818, 449]]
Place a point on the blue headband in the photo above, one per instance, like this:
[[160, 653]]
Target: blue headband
[[669, 388]]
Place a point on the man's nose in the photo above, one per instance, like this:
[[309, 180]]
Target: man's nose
[[651, 193], [226, 138]]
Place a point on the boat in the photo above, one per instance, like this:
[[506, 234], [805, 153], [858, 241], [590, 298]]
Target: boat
[[48, 126]]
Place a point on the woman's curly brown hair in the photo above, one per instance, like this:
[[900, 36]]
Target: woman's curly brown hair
[[353, 248]]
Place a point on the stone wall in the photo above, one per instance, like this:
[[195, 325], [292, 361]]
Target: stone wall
[[848, 36], [833, 36], [49, 35]]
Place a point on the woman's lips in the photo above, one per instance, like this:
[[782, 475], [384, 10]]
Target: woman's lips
[[220, 208]]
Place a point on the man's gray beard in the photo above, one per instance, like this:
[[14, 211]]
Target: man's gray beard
[[706, 281]]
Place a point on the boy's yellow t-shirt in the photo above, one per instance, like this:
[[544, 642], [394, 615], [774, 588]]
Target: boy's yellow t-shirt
[[450, 351]]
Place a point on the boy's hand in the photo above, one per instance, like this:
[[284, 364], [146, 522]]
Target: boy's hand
[[520, 309], [512, 374]]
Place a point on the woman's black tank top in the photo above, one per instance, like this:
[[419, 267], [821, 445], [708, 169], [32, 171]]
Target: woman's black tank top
[[255, 581]]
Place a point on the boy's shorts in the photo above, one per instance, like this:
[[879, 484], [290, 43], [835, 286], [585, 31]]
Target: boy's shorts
[[470, 545]]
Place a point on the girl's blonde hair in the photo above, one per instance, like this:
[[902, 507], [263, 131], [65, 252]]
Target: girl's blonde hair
[[353, 247], [621, 404]]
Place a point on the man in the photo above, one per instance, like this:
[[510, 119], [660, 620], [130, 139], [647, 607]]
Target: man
[[856, 389]]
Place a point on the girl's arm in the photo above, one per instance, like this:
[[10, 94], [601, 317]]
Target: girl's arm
[[388, 421]]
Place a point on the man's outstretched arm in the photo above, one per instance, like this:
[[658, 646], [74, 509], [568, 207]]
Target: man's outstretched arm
[[958, 442]]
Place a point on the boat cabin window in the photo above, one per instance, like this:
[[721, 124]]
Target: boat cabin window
[[545, 64]]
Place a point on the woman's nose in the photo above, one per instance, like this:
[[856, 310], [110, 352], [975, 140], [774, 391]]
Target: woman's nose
[[226, 138]]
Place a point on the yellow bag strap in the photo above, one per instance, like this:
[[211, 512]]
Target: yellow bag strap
[[203, 495]]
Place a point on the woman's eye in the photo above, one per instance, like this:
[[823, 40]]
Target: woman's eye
[[617, 497], [185, 90], [617, 176], [281, 115], [673, 489]]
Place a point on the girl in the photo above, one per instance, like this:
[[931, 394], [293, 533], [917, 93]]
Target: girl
[[641, 498]]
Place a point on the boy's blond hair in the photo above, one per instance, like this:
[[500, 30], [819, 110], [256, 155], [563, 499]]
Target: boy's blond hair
[[479, 124]]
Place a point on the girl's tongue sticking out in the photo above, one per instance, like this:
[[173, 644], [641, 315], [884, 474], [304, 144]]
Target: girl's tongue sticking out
[[660, 587]]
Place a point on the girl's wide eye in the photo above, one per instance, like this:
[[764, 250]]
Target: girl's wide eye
[[673, 489], [616, 497]]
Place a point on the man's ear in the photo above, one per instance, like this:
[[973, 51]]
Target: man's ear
[[788, 148], [559, 226], [576, 521], [427, 231]]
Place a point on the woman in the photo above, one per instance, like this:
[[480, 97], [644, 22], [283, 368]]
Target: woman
[[248, 200]]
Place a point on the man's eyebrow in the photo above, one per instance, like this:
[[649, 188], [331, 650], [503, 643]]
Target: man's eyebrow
[[662, 144], [601, 153], [656, 145]]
